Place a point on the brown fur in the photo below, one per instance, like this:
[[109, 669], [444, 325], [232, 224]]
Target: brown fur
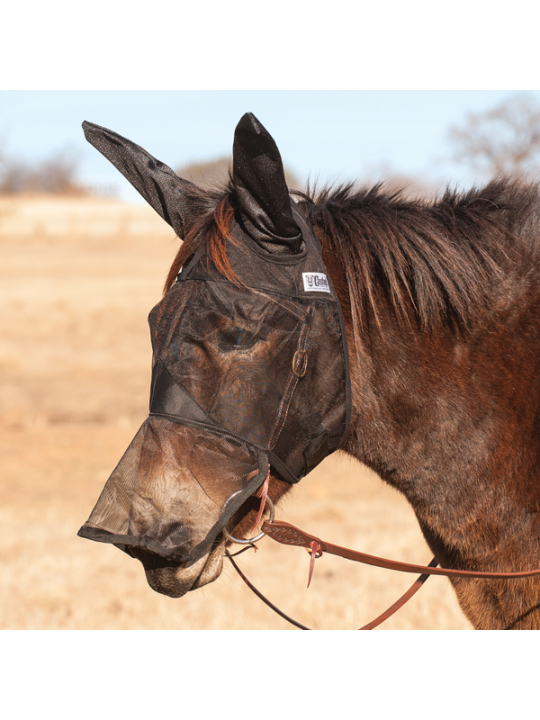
[[442, 306], [446, 391]]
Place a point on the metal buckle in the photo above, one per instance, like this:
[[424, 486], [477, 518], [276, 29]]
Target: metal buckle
[[257, 537]]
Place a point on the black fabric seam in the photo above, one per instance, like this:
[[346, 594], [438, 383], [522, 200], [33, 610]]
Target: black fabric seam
[[214, 428]]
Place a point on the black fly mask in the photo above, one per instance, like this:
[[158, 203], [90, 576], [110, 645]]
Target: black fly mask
[[245, 376]]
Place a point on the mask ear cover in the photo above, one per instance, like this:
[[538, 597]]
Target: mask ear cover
[[262, 196], [176, 200]]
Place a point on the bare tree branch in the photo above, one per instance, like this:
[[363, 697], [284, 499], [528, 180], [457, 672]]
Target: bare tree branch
[[504, 140], [57, 174]]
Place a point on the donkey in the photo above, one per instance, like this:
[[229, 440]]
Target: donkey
[[404, 332]]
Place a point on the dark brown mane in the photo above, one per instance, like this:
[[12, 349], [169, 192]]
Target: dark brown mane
[[442, 259], [428, 260]]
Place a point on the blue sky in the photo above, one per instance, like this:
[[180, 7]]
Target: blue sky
[[330, 135]]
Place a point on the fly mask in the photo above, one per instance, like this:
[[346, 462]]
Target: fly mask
[[245, 375]]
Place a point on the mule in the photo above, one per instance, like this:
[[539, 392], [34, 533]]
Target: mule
[[428, 373]]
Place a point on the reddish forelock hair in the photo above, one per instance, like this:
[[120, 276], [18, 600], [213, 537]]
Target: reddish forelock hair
[[213, 229]]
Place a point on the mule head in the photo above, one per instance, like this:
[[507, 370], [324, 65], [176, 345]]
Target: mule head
[[247, 375]]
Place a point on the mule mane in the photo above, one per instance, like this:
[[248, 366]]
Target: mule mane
[[429, 261]]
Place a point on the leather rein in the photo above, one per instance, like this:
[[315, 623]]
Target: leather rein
[[288, 534]]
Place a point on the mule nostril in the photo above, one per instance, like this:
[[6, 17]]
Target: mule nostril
[[152, 561]]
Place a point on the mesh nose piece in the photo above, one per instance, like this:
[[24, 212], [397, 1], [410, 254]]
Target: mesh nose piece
[[167, 492]]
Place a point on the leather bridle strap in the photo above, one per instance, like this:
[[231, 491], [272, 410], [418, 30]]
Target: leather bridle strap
[[288, 534], [369, 626], [259, 594]]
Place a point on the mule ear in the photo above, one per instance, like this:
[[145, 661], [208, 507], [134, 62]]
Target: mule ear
[[170, 196], [261, 191]]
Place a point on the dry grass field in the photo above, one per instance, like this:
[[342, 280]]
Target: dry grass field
[[77, 280]]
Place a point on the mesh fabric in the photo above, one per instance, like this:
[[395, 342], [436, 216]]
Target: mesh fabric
[[228, 397], [169, 477]]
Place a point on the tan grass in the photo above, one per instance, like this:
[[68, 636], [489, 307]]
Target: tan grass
[[77, 280]]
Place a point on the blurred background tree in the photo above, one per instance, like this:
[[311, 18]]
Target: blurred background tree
[[504, 140], [57, 174]]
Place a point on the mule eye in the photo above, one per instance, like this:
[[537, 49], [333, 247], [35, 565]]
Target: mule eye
[[236, 339]]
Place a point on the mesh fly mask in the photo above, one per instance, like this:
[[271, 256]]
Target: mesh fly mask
[[245, 376]]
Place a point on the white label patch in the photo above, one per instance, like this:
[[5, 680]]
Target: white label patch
[[315, 282]]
